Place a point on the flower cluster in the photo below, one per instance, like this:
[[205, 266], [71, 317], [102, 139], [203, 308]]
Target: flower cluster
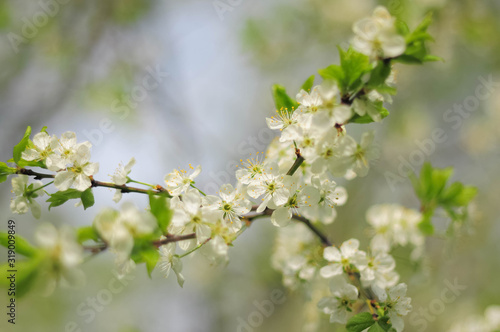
[[67, 157], [394, 225], [119, 229]]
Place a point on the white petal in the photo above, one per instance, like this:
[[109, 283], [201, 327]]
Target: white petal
[[331, 270], [64, 180], [82, 182], [281, 216], [332, 254], [349, 248]]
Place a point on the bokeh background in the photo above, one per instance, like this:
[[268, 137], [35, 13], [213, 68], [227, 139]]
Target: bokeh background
[[85, 63]]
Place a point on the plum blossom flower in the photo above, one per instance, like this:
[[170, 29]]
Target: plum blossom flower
[[379, 271], [377, 37], [179, 180], [65, 152], [121, 177], [287, 122], [78, 175], [396, 303], [231, 205], [339, 305], [251, 170], [394, 225], [25, 196], [63, 255], [190, 217], [331, 196], [44, 146], [170, 261], [270, 184], [354, 156], [119, 228], [298, 199], [342, 259]]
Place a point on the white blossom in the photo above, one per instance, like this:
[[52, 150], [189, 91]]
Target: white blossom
[[396, 302], [190, 217], [379, 271], [377, 37], [78, 175], [231, 205], [299, 197], [44, 146], [339, 305], [270, 185], [121, 177], [179, 180], [170, 261], [354, 156], [63, 254], [339, 260], [25, 196]]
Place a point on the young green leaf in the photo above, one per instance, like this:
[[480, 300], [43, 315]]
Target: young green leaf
[[21, 146], [5, 171], [416, 48], [376, 328], [360, 322], [27, 271], [161, 210], [308, 84], [22, 246], [87, 198], [62, 197], [282, 100], [87, 233], [353, 66], [150, 257], [379, 74]]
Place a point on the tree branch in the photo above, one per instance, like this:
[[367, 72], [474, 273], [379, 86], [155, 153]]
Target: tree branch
[[159, 190]]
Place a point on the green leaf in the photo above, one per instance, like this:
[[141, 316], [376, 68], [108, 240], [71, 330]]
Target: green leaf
[[44, 130], [33, 163], [26, 273], [21, 146], [86, 233], [332, 72], [87, 198], [360, 322], [5, 171], [384, 325], [424, 25], [160, 208], [308, 84], [416, 48], [22, 246], [62, 197], [281, 99], [376, 328], [402, 27], [426, 226], [466, 195], [353, 66], [150, 257], [379, 74]]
